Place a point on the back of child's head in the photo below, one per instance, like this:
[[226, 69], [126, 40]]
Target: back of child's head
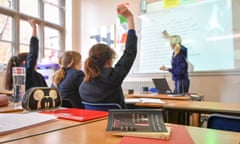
[[99, 54], [14, 61], [68, 60]]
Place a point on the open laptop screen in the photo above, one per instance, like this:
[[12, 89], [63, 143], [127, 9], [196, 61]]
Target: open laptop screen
[[163, 88], [162, 85]]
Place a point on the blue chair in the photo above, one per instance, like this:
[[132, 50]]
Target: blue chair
[[224, 122], [100, 106], [67, 103]]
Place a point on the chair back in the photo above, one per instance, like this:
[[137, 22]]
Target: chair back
[[67, 103], [224, 122], [100, 106]]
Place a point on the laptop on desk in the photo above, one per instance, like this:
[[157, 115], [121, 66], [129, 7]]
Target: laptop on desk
[[163, 88]]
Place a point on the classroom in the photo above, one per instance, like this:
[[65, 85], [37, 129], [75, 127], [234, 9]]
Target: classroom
[[76, 25]]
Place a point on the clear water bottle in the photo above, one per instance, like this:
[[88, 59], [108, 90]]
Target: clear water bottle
[[19, 77]]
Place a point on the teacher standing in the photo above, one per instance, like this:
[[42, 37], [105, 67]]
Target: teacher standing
[[179, 69]]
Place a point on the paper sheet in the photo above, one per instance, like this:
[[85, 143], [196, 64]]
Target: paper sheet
[[143, 100], [10, 122]]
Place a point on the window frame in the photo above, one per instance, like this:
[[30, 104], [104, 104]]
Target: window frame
[[17, 16]]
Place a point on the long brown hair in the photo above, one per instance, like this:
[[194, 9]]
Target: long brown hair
[[68, 60], [99, 54], [14, 61]]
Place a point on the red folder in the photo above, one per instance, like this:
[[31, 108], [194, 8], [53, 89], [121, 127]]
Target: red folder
[[179, 135], [76, 114]]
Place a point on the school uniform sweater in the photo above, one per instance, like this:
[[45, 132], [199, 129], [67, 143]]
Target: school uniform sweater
[[68, 87], [107, 87], [33, 78]]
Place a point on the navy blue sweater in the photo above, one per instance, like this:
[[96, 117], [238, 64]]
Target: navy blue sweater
[[68, 87], [179, 68], [107, 87], [33, 78]]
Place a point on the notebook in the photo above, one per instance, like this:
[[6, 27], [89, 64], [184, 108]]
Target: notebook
[[12, 122], [163, 88], [179, 135], [76, 114], [147, 123]]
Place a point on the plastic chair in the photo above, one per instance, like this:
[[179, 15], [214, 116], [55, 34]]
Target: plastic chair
[[224, 122], [100, 106]]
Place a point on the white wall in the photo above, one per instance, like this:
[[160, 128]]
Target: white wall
[[224, 88], [97, 13]]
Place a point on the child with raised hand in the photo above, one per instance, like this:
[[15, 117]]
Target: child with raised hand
[[102, 83], [33, 78], [29, 61]]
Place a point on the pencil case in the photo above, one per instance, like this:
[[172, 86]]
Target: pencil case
[[41, 98]]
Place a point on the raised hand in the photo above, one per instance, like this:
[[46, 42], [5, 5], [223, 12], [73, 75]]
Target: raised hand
[[33, 23], [123, 9]]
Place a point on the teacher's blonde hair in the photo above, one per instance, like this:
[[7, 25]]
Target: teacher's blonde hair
[[175, 42]]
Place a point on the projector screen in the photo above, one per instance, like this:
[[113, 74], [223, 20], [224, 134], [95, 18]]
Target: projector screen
[[210, 29]]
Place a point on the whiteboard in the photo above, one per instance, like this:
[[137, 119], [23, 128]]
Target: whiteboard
[[208, 29]]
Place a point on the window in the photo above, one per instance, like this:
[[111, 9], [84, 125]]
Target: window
[[25, 34], [52, 47], [15, 31], [5, 38], [6, 3], [29, 7], [5, 27], [53, 11]]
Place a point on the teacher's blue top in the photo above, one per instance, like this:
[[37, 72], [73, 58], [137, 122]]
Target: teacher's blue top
[[179, 64]]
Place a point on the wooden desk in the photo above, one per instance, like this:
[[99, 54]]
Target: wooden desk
[[94, 133], [44, 128], [159, 96], [10, 108], [6, 92], [188, 107], [204, 107], [164, 97], [172, 117]]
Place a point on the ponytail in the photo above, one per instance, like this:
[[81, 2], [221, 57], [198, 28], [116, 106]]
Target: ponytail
[[68, 60], [58, 76], [91, 68], [99, 54]]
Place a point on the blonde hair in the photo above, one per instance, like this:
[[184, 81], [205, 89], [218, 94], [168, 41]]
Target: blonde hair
[[68, 60], [175, 42]]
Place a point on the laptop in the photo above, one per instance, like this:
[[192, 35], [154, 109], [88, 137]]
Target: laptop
[[163, 88]]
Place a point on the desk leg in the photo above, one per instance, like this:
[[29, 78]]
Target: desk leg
[[195, 119]]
